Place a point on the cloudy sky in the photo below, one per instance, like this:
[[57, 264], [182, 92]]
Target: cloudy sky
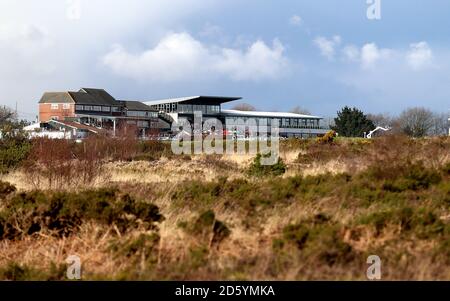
[[317, 54]]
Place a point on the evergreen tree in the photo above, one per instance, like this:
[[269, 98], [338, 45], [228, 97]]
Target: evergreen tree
[[352, 123]]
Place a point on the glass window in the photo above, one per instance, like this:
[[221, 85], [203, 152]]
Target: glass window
[[79, 108], [115, 109], [66, 106], [143, 124], [106, 109], [55, 106], [97, 108], [88, 108]]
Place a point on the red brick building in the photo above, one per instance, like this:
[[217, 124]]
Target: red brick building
[[96, 107]]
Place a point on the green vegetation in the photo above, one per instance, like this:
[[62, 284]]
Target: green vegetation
[[63, 213], [352, 123], [392, 199], [257, 169], [13, 150], [206, 228]]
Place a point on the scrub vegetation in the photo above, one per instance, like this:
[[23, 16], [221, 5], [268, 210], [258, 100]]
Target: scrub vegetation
[[134, 211]]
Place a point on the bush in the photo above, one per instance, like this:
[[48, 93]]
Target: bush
[[14, 271], [63, 213], [13, 150], [143, 247], [318, 237], [258, 170], [61, 164], [207, 229], [446, 169], [412, 177], [6, 189], [328, 138], [422, 222]]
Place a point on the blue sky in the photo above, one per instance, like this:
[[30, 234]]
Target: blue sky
[[317, 54]]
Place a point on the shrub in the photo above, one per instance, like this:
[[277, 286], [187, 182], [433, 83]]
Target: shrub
[[14, 271], [412, 177], [13, 150], [328, 138], [63, 164], [207, 229], [446, 169], [63, 213], [258, 170], [318, 237], [6, 189], [422, 222], [143, 247]]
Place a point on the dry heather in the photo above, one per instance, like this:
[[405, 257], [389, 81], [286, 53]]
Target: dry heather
[[317, 215]]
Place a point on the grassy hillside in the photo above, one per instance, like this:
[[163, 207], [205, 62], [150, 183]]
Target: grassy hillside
[[134, 211]]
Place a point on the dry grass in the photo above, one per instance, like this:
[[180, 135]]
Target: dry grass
[[255, 228]]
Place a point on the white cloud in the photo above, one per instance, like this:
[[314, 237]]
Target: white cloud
[[419, 56], [42, 49], [180, 57], [296, 20], [371, 54], [351, 53], [327, 47]]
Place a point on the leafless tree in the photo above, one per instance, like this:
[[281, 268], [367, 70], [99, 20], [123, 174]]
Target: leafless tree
[[440, 124], [6, 115], [416, 122], [300, 110], [244, 107], [383, 119]]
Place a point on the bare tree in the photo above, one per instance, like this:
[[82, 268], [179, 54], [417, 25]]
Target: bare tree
[[300, 110], [244, 107], [440, 125], [6, 115], [383, 120], [416, 122]]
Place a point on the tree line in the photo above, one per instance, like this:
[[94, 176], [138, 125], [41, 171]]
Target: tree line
[[416, 122]]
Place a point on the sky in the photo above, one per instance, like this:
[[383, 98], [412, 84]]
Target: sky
[[317, 54]]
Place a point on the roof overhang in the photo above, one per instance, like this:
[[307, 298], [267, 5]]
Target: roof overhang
[[205, 100], [267, 114]]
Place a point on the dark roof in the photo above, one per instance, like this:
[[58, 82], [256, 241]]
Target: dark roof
[[85, 99], [205, 100], [100, 94], [137, 106], [90, 99], [56, 97]]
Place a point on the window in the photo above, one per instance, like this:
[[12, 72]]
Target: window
[[137, 113], [262, 121], [88, 108], [97, 108], [79, 108], [142, 124], [55, 106], [115, 109], [66, 106], [106, 109]]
